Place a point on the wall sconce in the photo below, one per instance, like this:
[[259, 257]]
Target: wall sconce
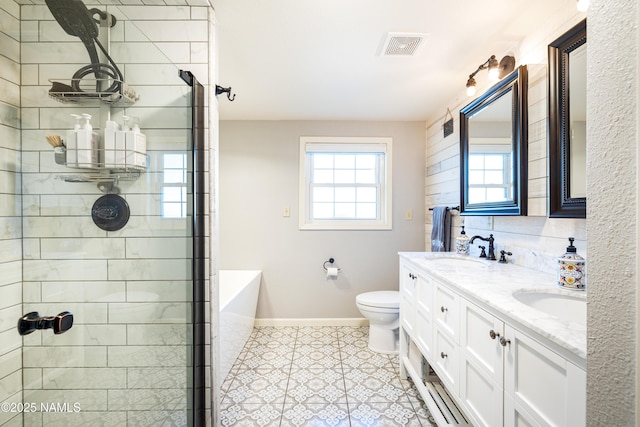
[[496, 71], [582, 5]]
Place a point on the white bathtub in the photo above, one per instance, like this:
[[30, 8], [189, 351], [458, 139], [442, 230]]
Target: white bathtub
[[238, 295]]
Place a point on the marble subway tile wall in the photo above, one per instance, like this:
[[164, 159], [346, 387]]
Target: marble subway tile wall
[[10, 212], [127, 359]]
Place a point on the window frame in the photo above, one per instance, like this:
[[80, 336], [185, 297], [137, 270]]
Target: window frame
[[345, 145]]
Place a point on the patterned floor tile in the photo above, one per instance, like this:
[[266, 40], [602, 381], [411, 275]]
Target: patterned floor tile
[[315, 415], [251, 415], [318, 376], [384, 414], [316, 386]]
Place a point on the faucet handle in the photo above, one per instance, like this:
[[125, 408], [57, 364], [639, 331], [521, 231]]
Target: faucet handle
[[483, 254], [503, 258]]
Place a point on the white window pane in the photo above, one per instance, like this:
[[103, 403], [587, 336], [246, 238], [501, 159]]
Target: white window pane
[[493, 177], [476, 177], [175, 176], [367, 194], [497, 194], [323, 161], [367, 211], [494, 162], [345, 176], [366, 161], [476, 161], [322, 211], [174, 161], [345, 194], [345, 161], [172, 210], [345, 210], [366, 176], [323, 194], [477, 195], [323, 176], [172, 194]]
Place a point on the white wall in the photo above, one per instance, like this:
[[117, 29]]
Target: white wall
[[10, 211], [530, 238], [259, 177], [612, 191]]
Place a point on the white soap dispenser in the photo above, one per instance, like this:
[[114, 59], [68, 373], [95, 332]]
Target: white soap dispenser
[[110, 144], [571, 269], [462, 243], [88, 145], [71, 142]]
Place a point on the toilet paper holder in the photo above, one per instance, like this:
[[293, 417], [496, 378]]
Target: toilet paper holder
[[329, 261]]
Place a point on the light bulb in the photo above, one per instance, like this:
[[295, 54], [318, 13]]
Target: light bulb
[[471, 90], [582, 5], [494, 74]]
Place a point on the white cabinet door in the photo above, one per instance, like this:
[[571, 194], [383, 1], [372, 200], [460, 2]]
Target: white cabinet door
[[446, 360], [546, 389], [481, 369], [424, 314], [447, 311], [407, 297]]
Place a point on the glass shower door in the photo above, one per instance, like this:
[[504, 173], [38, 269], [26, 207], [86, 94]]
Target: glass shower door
[[128, 358]]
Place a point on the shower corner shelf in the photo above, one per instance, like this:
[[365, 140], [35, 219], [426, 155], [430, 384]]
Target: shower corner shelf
[[123, 97]]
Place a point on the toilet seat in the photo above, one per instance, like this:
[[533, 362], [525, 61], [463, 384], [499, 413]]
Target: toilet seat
[[380, 299]]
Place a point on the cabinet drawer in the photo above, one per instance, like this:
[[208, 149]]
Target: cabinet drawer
[[446, 360], [446, 309]]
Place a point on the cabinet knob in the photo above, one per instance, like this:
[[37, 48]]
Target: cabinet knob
[[443, 354], [493, 334], [411, 276], [443, 309], [504, 341]]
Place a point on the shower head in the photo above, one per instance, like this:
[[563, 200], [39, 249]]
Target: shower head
[[76, 20]]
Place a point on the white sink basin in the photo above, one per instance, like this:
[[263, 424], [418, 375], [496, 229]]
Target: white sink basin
[[572, 308], [458, 261]]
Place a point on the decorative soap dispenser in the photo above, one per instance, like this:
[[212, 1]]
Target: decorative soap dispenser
[[462, 243], [571, 269]]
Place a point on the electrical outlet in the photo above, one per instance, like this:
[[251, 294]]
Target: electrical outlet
[[408, 215], [286, 212]]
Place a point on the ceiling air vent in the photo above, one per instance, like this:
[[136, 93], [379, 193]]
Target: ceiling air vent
[[402, 44]]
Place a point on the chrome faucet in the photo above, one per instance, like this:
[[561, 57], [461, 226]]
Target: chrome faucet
[[492, 255]]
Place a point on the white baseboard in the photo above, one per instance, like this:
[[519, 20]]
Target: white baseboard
[[347, 321]]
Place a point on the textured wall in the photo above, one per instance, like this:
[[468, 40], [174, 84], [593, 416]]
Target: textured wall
[[10, 211], [612, 135]]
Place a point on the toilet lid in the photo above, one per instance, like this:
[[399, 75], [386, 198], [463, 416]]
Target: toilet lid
[[388, 299]]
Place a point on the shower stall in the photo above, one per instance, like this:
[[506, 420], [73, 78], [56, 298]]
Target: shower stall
[[104, 262]]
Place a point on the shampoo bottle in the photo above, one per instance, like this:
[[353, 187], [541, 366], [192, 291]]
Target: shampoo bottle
[[71, 142], [88, 145], [462, 243], [571, 269], [136, 147], [110, 153]]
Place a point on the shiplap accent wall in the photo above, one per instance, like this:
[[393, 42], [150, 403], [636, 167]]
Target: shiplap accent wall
[[10, 212], [535, 240]]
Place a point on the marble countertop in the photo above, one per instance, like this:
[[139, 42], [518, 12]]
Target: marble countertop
[[491, 285]]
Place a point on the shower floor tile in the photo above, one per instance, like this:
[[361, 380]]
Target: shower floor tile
[[318, 376]]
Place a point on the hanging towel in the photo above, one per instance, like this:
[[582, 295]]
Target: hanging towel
[[441, 229]]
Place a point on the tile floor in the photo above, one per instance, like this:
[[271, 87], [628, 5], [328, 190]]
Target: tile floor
[[317, 376]]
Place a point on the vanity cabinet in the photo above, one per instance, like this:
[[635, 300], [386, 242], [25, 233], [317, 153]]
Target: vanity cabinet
[[493, 371]]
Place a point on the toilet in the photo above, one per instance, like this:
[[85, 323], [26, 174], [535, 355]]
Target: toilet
[[382, 309]]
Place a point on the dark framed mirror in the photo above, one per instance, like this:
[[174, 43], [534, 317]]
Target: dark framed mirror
[[493, 149], [567, 124]]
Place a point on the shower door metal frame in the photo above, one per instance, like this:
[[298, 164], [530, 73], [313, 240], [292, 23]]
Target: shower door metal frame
[[198, 263]]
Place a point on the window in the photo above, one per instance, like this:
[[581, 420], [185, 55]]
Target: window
[[490, 177], [174, 185], [345, 183]]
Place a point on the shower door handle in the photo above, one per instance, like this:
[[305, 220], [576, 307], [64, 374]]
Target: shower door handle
[[32, 321]]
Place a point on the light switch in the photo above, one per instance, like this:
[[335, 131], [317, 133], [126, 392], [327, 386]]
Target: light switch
[[286, 212], [408, 215]]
